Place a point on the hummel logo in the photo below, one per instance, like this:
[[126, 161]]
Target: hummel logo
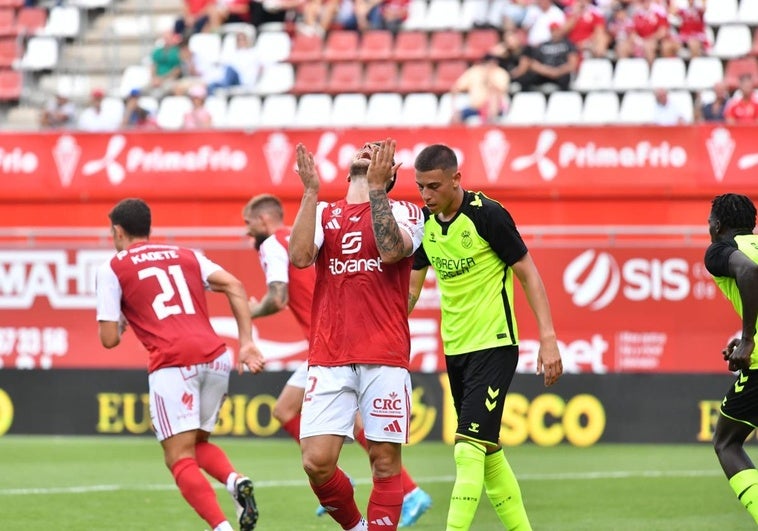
[[740, 384], [474, 427], [393, 427], [384, 520], [333, 224]]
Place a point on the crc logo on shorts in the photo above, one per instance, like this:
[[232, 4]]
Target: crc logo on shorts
[[351, 242], [392, 408], [594, 278]]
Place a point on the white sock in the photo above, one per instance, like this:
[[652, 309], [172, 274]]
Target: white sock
[[362, 526], [231, 482], [224, 526]]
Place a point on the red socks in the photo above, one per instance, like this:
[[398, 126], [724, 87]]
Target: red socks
[[197, 491], [385, 503], [213, 460], [292, 426], [408, 484], [336, 496]]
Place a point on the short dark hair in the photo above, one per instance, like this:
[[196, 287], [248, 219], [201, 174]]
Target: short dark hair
[[266, 202], [734, 211], [436, 157], [133, 215]]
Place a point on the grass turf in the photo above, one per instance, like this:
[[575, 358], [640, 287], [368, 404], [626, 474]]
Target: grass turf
[[120, 483]]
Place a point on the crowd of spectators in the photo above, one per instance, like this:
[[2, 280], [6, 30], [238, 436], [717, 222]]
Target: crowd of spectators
[[543, 44]]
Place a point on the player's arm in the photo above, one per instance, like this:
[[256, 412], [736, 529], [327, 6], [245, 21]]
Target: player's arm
[[110, 321], [549, 357], [224, 282], [415, 286], [275, 300], [745, 273], [302, 250]]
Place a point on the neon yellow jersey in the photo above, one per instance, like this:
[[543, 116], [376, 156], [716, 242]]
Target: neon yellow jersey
[[471, 255], [717, 263]]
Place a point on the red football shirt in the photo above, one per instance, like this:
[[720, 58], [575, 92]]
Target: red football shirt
[[648, 21], [360, 304], [160, 289], [693, 21], [585, 25], [274, 257], [742, 111]]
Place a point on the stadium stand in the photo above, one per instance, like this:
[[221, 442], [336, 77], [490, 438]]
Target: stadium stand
[[77, 45]]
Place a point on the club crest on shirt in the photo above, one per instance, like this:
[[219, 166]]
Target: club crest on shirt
[[466, 241]]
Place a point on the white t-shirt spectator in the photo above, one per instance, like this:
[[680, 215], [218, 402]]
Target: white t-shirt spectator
[[92, 119], [538, 23], [667, 114]]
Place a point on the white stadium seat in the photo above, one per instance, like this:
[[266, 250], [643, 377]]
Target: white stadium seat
[[732, 41], [631, 74], [216, 106], [748, 12], [172, 110], [527, 108], [442, 15], [637, 107], [472, 12], [384, 110], [594, 74], [668, 72], [721, 12], [206, 45], [420, 109], [41, 54], [63, 21], [273, 46], [704, 72], [278, 111], [682, 100], [276, 78], [563, 108], [416, 19], [348, 110], [600, 108], [313, 110], [134, 77], [243, 112]]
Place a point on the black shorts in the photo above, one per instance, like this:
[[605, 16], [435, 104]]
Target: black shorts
[[741, 401], [479, 382]]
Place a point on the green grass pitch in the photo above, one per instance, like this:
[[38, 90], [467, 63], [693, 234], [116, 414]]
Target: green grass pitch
[[91, 483]]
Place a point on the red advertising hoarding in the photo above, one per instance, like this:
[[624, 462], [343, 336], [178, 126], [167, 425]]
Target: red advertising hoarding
[[543, 162], [616, 308]]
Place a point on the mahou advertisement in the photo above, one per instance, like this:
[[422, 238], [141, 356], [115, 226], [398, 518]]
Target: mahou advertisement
[[540, 161], [617, 309]]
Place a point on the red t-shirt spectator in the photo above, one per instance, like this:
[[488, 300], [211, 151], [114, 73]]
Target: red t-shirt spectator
[[586, 24], [647, 21], [742, 111]]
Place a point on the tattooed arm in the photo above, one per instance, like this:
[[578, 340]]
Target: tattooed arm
[[274, 301], [394, 244]]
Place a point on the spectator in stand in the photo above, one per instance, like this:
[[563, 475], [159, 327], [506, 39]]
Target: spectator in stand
[[198, 117], [502, 14], [94, 118], [691, 32], [194, 17], [486, 84], [394, 13], [265, 11], [713, 111], [511, 54], [538, 19], [318, 16], [360, 15], [241, 68], [59, 112], [228, 11], [554, 61], [136, 116], [652, 34], [665, 111], [166, 62], [621, 32], [743, 107], [585, 27]]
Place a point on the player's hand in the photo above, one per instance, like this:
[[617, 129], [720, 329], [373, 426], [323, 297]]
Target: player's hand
[[250, 357], [549, 362], [737, 353], [306, 169], [381, 169]]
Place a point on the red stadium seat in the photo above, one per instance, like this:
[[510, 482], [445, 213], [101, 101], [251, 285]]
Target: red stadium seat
[[11, 84], [411, 45], [31, 19], [341, 45], [479, 42], [416, 76], [381, 76], [376, 46], [306, 48], [447, 73], [310, 77], [346, 76], [8, 22], [446, 45], [10, 50], [738, 67]]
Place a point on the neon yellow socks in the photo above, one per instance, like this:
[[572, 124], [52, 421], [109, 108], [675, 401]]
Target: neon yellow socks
[[469, 479], [504, 493], [745, 486]]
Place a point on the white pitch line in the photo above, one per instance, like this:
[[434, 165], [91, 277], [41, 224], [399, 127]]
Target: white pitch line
[[568, 476]]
